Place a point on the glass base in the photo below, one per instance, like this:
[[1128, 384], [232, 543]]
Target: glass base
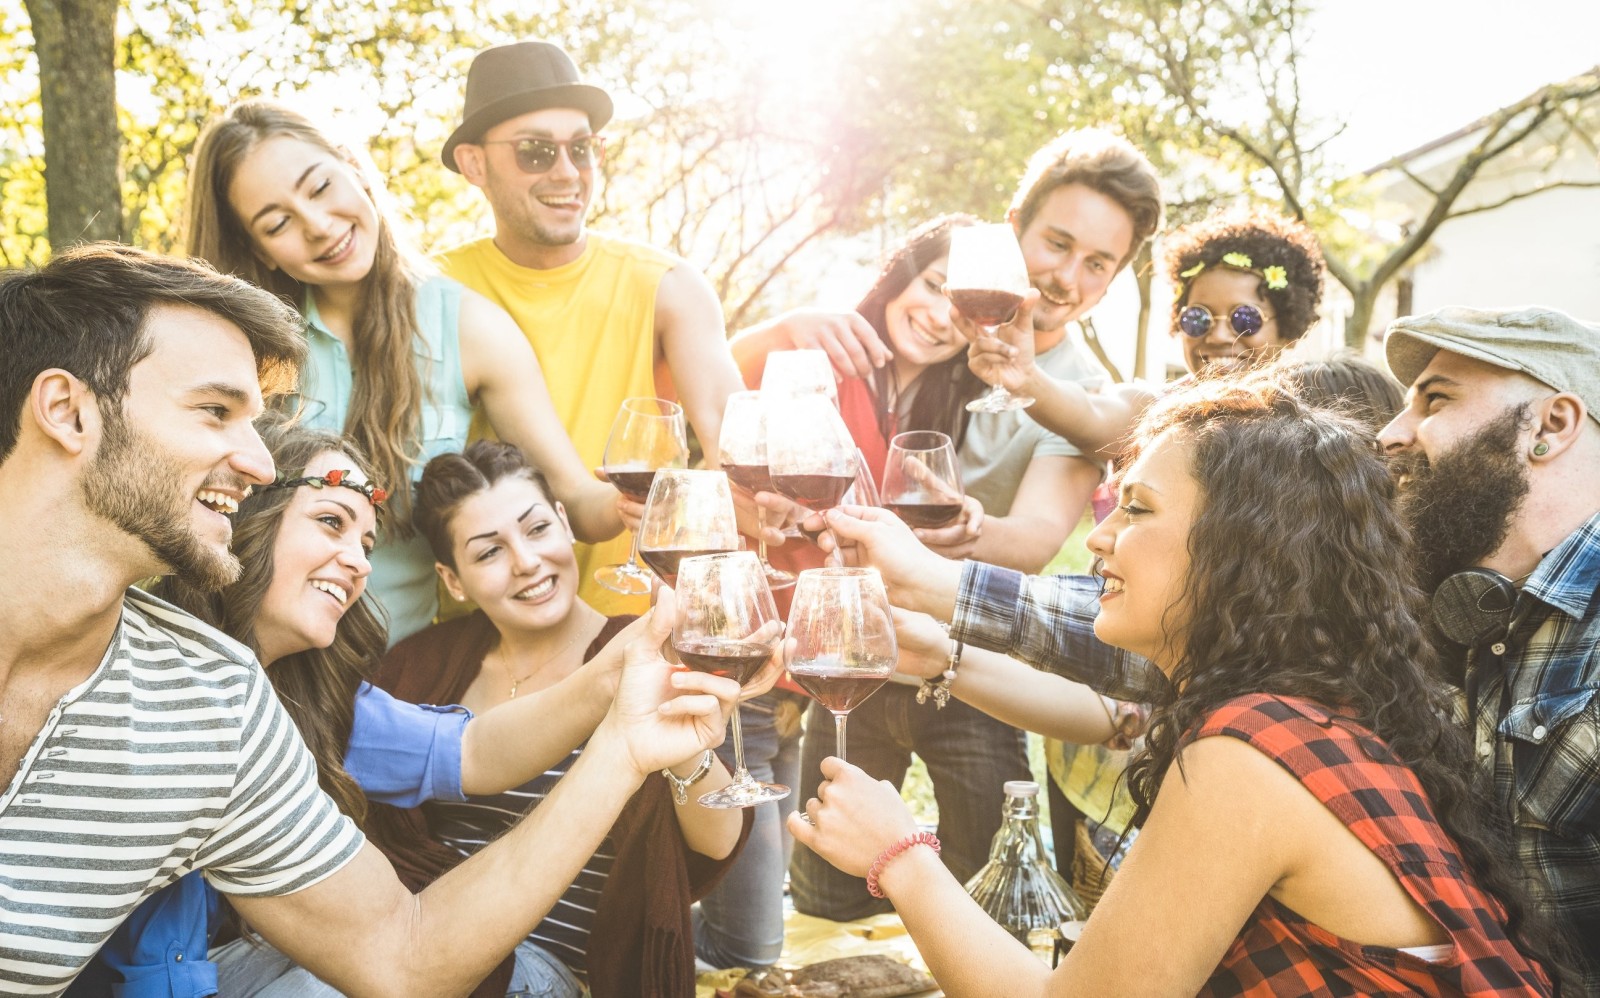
[[999, 400], [744, 795], [777, 578], [627, 579]]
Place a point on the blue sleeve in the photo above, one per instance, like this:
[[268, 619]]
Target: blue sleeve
[[160, 951], [405, 753]]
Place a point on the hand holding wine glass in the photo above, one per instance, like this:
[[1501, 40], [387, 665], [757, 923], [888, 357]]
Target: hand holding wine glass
[[922, 479], [687, 513], [647, 435], [842, 646], [727, 625], [986, 281]]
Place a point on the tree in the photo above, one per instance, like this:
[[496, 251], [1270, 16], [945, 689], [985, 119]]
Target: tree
[[75, 42], [1231, 70]]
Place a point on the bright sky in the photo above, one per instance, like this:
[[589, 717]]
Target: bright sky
[[1402, 72]]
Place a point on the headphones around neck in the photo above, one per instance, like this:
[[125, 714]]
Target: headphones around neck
[[1473, 606]]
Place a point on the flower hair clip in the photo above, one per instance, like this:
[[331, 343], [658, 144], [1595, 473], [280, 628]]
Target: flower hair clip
[[339, 478], [1276, 278]]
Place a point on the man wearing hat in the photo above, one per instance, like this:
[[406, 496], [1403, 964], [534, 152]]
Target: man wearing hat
[[1497, 455], [609, 318]]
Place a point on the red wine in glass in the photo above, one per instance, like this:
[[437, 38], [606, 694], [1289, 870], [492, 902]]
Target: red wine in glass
[[985, 306], [664, 561], [836, 686], [632, 482], [926, 514], [815, 492], [731, 659], [750, 477]]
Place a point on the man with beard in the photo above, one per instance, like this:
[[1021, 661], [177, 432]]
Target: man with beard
[[1497, 458], [138, 744]]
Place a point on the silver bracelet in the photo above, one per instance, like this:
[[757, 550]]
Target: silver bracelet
[[680, 788], [940, 690]]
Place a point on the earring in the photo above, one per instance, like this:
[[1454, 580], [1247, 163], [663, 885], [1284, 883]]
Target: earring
[[1540, 449]]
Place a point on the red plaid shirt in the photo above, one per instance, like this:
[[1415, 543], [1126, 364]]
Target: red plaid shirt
[[1280, 953]]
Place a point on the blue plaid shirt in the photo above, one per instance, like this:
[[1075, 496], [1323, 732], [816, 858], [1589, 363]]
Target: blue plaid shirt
[[1048, 622], [1537, 731]]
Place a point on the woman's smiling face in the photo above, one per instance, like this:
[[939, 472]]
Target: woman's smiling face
[[513, 556], [1143, 547]]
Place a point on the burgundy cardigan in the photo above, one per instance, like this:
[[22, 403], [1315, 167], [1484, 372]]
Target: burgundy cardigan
[[641, 942]]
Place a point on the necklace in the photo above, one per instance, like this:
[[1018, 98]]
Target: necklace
[[515, 682]]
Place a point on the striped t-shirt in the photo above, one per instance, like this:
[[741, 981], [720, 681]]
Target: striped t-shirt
[[174, 755], [467, 826]]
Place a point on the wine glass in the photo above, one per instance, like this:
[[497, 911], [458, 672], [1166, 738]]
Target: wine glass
[[809, 450], [799, 372], [862, 492], [728, 625], [647, 435], [986, 280], [743, 446], [842, 645], [922, 479], [687, 513]]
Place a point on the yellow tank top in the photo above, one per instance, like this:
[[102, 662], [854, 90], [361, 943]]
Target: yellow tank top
[[592, 326]]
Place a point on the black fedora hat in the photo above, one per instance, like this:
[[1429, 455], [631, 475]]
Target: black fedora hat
[[509, 80]]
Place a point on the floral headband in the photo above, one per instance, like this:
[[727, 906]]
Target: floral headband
[[1276, 277], [339, 478]]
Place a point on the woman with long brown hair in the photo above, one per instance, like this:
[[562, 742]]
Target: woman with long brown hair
[[1311, 821], [398, 356], [303, 546]]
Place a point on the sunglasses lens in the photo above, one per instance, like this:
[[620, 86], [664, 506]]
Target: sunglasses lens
[[1246, 320], [535, 155], [582, 153], [1194, 321]]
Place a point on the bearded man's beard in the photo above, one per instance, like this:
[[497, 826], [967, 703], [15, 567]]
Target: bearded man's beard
[[1460, 506], [135, 484]]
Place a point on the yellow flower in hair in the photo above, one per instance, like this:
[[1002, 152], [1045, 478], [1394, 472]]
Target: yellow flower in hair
[[1277, 278], [1237, 260], [1193, 270]]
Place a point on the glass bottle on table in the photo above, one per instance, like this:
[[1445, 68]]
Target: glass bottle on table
[[687, 513], [922, 479], [1018, 887], [648, 434], [986, 280], [728, 625], [843, 645], [743, 447]]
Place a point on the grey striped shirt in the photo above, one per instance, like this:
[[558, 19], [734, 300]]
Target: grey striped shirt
[[174, 755]]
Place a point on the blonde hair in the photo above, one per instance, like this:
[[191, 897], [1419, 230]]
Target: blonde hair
[[387, 394]]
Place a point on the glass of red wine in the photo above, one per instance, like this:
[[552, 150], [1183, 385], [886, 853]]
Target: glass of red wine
[[728, 626], [687, 513], [809, 450], [743, 446], [922, 479], [799, 372], [841, 639], [647, 435], [986, 280]]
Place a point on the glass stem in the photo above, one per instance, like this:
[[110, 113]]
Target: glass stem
[[740, 774], [761, 535], [633, 554], [838, 732]]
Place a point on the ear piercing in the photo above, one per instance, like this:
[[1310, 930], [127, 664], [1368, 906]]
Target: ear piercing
[[1540, 449]]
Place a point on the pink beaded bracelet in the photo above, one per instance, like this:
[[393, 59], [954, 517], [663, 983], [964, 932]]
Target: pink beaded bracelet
[[919, 839]]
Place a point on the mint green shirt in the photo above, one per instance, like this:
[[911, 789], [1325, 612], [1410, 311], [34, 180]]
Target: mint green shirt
[[403, 581]]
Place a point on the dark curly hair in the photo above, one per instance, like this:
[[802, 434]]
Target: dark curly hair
[[1269, 240], [1302, 567], [945, 388]]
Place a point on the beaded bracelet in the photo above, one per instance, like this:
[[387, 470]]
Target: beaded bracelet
[[919, 839]]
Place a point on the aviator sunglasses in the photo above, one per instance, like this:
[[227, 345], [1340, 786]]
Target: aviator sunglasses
[[1245, 320], [539, 155]]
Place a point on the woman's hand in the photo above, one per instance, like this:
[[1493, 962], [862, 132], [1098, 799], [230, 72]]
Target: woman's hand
[[959, 539], [853, 818], [915, 577], [852, 345], [924, 645]]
